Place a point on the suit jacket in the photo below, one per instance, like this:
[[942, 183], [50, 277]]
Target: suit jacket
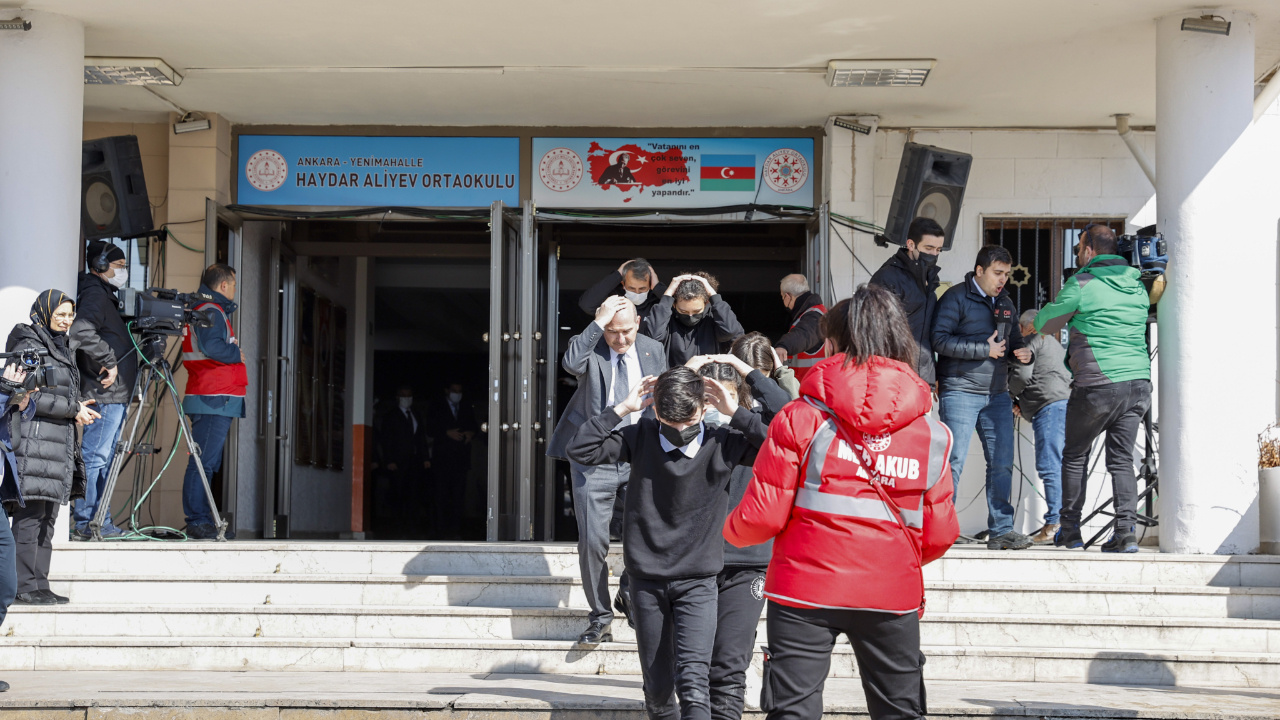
[[398, 442], [440, 421], [587, 359]]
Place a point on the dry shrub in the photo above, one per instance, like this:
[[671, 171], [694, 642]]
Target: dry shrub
[[1269, 447]]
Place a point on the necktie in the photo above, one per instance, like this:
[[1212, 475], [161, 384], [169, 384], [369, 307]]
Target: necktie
[[621, 386]]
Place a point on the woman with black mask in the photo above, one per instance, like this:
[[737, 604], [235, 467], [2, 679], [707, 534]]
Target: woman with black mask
[[692, 319], [50, 469]]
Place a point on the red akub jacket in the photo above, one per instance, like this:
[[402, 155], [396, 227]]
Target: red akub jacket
[[854, 487]]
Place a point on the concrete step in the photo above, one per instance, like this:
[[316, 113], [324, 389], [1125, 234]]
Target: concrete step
[[1022, 664], [565, 624], [296, 589], [961, 564]]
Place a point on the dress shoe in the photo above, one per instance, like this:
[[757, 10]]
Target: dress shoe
[[1044, 536], [622, 605], [60, 599], [596, 633], [34, 598]]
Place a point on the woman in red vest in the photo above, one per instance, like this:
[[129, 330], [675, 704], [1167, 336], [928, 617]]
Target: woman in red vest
[[854, 488]]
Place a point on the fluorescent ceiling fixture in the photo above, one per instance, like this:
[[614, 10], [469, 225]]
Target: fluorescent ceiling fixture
[[1207, 24], [878, 73], [129, 71], [15, 24]]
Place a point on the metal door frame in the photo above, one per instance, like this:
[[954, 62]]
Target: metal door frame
[[548, 364], [286, 320], [213, 213], [817, 256]]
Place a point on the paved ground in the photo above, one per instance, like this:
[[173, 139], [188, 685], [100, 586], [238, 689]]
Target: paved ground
[[342, 696]]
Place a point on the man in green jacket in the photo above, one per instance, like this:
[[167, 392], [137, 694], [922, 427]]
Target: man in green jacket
[[1105, 304]]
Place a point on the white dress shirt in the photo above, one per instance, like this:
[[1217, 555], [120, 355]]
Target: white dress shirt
[[688, 450], [634, 377]]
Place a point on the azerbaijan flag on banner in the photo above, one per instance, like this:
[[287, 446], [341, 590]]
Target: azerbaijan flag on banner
[[729, 172]]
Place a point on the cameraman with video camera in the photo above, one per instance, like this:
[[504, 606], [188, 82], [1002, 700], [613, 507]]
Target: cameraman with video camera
[[108, 366], [50, 469], [1106, 307], [216, 384]]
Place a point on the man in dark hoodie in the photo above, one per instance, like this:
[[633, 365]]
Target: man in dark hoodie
[[912, 275], [108, 367], [216, 385], [975, 334]]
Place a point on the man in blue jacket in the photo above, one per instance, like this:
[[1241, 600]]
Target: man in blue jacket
[[216, 385], [975, 333]]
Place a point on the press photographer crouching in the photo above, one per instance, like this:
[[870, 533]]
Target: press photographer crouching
[[108, 368], [216, 384], [1106, 307], [50, 470]]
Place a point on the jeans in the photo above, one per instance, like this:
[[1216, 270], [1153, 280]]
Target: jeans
[[739, 605], [99, 448], [595, 489], [886, 647], [992, 415], [210, 433], [675, 630], [1116, 409], [8, 564], [1050, 426]]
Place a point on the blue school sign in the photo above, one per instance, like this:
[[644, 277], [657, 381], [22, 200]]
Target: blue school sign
[[315, 170]]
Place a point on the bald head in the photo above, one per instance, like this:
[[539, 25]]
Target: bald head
[[620, 331]]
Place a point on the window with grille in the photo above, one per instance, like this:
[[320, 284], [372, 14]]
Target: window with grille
[[1042, 248]]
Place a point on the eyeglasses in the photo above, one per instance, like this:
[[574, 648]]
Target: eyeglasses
[[64, 316]]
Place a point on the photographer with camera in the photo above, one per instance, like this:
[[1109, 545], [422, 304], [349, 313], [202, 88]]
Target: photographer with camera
[[50, 469], [1106, 307], [216, 384], [108, 367]]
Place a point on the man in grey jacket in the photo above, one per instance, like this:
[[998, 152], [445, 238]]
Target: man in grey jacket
[[1040, 390], [609, 358]]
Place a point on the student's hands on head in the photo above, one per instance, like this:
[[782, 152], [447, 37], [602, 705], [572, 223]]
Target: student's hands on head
[[696, 362], [717, 395], [640, 397], [675, 283], [735, 361]]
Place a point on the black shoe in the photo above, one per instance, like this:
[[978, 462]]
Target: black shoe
[[1121, 543], [622, 605], [201, 531], [34, 598], [596, 633], [4, 686], [60, 599], [1068, 537], [1009, 541]]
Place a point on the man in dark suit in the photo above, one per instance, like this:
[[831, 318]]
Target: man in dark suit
[[451, 424], [402, 451], [608, 358]]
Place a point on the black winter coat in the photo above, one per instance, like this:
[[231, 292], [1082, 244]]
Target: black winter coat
[[805, 333], [47, 449], [682, 342], [918, 293], [101, 339], [964, 321]]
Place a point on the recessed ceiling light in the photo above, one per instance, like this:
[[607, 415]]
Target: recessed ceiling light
[[878, 73], [129, 71], [1212, 24]]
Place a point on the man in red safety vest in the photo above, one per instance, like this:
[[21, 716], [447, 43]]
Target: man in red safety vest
[[802, 347], [216, 385]]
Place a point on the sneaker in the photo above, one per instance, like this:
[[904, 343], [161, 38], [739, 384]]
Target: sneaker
[[1009, 541], [201, 531], [111, 531], [1044, 536], [1121, 543], [1068, 537]]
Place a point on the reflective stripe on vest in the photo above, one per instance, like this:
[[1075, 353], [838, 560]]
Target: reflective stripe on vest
[[190, 348], [811, 496], [807, 360]]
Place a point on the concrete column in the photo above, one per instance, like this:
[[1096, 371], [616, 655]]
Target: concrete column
[[41, 116], [1217, 354]]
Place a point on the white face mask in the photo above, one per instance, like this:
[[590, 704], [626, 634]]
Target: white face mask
[[636, 297], [455, 398], [405, 402], [119, 278]]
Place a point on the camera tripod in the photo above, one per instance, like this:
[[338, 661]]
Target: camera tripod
[[156, 374]]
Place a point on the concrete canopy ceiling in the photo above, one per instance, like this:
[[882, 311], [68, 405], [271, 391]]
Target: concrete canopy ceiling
[[663, 63]]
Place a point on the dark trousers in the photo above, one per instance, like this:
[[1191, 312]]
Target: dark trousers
[[33, 543], [8, 565], [210, 433], [739, 605], [1116, 409], [675, 630], [887, 648]]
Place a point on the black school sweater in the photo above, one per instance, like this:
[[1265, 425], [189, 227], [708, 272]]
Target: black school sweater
[[676, 505]]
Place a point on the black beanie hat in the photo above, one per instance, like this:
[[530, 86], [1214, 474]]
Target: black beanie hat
[[97, 247]]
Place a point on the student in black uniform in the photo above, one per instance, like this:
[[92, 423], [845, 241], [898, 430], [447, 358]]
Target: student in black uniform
[[692, 319], [740, 586], [677, 500]]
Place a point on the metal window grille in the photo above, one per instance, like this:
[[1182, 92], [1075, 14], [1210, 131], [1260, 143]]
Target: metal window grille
[[1042, 248]]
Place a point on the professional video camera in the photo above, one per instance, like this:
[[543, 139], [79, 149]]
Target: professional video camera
[[1148, 252], [29, 359], [163, 311]]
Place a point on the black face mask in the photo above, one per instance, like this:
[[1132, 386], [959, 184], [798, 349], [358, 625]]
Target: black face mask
[[927, 261], [680, 438], [691, 320]]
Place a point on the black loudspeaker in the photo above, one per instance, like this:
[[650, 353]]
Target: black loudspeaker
[[930, 184], [113, 192]]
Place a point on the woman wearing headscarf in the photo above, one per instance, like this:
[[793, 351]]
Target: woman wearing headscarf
[[50, 470]]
